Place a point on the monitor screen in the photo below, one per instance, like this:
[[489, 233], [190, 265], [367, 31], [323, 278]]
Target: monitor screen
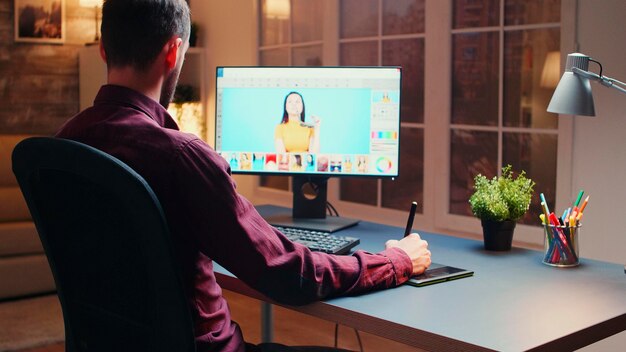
[[309, 121]]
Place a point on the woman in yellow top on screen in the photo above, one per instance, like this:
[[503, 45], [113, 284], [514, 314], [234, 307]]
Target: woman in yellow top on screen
[[293, 134]]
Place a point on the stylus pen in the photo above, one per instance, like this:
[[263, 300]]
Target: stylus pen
[[409, 222]]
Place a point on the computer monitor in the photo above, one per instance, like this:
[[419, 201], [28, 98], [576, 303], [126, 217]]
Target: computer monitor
[[310, 123]]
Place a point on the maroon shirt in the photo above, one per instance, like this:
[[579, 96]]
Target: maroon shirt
[[209, 220]]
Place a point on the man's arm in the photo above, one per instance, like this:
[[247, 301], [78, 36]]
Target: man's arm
[[230, 231]]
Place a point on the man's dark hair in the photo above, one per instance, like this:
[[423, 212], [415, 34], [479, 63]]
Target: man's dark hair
[[135, 31]]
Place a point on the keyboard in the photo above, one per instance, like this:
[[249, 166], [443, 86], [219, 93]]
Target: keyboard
[[320, 241]]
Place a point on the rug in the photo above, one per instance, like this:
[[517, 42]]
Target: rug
[[31, 322]]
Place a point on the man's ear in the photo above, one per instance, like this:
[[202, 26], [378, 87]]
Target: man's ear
[[172, 47]]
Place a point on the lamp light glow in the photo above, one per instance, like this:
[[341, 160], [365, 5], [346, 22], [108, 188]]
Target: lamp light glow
[[551, 70], [90, 3], [278, 9], [188, 117]]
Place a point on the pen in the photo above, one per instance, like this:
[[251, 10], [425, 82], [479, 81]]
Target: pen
[[546, 211], [409, 222]]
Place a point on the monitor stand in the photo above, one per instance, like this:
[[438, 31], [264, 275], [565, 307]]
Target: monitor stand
[[309, 208]]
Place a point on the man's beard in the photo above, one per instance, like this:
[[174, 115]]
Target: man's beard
[[168, 89]]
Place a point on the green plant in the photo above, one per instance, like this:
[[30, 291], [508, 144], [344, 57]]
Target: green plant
[[502, 197]]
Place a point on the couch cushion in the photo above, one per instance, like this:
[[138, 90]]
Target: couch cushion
[[18, 238], [7, 143], [25, 275], [12, 205]]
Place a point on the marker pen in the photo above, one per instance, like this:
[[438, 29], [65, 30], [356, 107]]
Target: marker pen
[[409, 222]]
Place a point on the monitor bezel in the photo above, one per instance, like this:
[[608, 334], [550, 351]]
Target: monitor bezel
[[317, 174]]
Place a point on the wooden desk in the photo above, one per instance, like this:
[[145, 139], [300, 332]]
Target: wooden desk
[[512, 303]]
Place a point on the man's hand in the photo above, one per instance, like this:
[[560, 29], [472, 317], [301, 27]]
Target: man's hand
[[416, 248]]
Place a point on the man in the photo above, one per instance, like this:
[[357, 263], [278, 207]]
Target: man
[[144, 44]]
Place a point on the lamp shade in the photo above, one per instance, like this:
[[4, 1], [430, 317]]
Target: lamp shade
[[90, 3], [572, 95]]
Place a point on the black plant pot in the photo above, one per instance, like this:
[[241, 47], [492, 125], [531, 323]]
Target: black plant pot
[[498, 235]]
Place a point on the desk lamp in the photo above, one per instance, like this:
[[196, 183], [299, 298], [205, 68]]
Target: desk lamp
[[573, 95]]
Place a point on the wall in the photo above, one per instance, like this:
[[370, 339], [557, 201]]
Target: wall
[[599, 165], [39, 82], [599, 149]]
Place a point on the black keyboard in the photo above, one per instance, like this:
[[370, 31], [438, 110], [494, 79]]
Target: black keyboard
[[320, 241]]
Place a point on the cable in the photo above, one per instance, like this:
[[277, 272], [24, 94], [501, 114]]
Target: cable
[[328, 204], [599, 64]]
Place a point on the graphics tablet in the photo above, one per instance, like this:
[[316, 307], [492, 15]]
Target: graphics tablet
[[437, 273]]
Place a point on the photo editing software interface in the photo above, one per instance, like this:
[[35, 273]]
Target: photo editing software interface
[[309, 121]]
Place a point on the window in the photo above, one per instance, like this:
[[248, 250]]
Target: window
[[499, 100], [474, 102]]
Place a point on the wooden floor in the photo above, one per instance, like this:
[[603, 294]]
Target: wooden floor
[[290, 328]]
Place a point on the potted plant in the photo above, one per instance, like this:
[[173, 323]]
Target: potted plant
[[499, 202]]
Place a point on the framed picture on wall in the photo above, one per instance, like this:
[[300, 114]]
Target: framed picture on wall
[[40, 21]]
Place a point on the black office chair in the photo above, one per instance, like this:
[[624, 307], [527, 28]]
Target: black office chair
[[108, 245]]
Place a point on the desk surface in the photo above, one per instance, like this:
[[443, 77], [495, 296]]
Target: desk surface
[[512, 303]]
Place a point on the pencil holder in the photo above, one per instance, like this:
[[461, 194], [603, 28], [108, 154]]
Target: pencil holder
[[561, 245]]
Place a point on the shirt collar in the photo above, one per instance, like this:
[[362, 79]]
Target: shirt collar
[[120, 95]]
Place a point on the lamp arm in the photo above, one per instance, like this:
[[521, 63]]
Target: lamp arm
[[604, 80]]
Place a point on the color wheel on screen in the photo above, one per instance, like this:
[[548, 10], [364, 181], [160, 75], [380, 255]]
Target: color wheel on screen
[[383, 164]]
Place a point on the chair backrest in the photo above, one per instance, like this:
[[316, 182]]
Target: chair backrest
[[109, 248]]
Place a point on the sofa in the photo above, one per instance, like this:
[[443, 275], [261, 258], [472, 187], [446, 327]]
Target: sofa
[[24, 269]]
